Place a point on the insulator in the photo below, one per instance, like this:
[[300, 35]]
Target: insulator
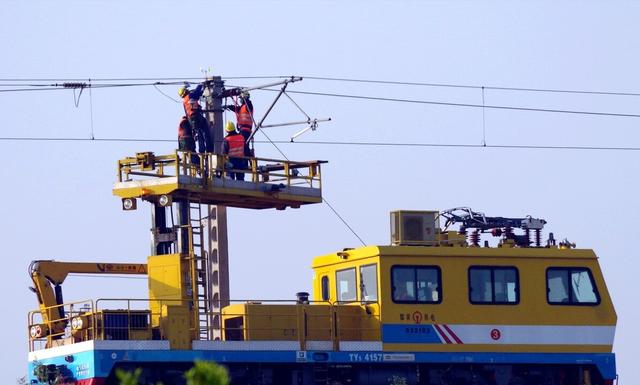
[[527, 237], [474, 238], [462, 231], [538, 237], [496, 232], [74, 85]]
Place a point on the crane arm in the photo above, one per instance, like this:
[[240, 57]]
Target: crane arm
[[56, 272], [49, 275]]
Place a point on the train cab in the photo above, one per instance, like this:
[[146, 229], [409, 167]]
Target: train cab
[[447, 296]]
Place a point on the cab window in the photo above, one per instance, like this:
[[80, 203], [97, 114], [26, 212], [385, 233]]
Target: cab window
[[416, 284], [325, 288], [571, 286], [346, 285], [493, 285], [368, 283]]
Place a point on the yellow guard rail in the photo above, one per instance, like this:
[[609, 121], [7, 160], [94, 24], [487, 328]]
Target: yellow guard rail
[[269, 183]]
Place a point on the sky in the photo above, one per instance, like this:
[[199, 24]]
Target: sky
[[56, 195]]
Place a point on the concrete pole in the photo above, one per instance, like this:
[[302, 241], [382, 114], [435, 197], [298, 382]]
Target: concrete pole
[[218, 261]]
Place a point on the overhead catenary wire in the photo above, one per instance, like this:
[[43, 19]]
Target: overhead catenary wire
[[469, 105], [91, 113], [337, 79], [175, 78], [51, 87], [446, 85], [346, 143]]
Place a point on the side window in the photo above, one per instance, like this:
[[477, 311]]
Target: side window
[[493, 285], [325, 288], [346, 285], [403, 284], [571, 286], [368, 283], [416, 284], [428, 285]]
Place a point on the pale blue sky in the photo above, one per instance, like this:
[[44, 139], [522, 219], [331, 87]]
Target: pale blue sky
[[57, 201]]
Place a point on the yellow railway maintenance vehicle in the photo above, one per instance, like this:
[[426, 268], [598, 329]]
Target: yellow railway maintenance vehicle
[[438, 306]]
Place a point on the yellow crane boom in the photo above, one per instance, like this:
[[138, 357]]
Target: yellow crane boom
[[48, 276]]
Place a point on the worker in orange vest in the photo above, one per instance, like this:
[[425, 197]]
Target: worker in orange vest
[[236, 148], [185, 136], [185, 139], [244, 114], [193, 111]]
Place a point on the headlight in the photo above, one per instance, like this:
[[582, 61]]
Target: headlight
[[35, 331], [77, 323], [164, 200], [129, 204]]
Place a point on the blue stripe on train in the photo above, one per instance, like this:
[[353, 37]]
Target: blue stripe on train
[[100, 362], [406, 333]]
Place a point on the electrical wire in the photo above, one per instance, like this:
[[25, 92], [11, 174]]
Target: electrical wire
[[336, 79], [342, 143], [165, 95], [64, 86], [176, 78], [463, 145], [470, 105], [366, 97], [445, 85], [324, 199], [91, 112]]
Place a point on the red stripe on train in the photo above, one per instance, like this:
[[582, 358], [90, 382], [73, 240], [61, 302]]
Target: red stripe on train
[[455, 337], [442, 334]]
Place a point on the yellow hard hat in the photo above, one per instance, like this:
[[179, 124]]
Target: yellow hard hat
[[182, 91], [230, 127]]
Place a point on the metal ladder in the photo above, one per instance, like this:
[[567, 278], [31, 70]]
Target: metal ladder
[[198, 255]]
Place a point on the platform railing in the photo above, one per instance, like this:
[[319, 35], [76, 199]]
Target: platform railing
[[207, 166], [45, 324], [308, 323]]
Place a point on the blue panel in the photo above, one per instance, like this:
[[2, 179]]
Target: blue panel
[[405, 333], [79, 366], [84, 366]]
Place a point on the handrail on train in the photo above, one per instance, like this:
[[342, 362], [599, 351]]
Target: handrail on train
[[329, 326], [208, 166]]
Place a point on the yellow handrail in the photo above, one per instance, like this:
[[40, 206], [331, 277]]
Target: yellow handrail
[[208, 166], [310, 321]]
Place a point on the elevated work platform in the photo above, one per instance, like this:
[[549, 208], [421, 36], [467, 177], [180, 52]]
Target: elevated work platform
[[269, 183]]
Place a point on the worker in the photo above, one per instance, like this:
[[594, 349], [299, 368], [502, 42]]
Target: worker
[[185, 139], [193, 111], [236, 148], [244, 114], [185, 136]]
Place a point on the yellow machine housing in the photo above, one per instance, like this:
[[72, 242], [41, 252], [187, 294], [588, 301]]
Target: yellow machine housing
[[170, 285], [300, 322]]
